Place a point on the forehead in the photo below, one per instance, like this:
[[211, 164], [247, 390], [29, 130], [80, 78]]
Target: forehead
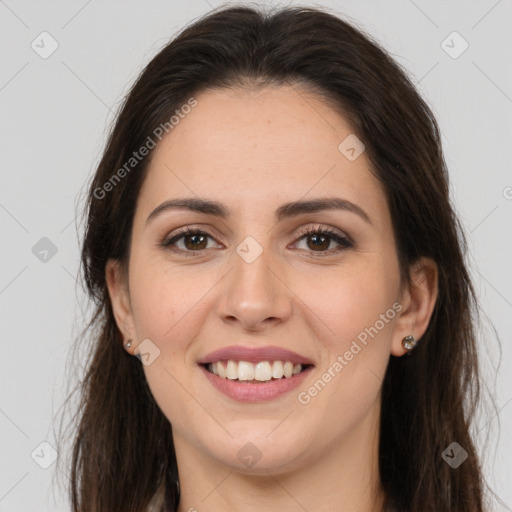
[[259, 147]]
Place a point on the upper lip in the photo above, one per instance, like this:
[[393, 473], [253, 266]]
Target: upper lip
[[254, 355]]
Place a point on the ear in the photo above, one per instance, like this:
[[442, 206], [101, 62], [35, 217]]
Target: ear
[[117, 285], [418, 299]]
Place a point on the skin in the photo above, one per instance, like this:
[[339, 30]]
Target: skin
[[252, 151]]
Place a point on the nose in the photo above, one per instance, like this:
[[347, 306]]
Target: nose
[[255, 295]]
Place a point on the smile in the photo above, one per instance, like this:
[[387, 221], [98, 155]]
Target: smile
[[247, 372], [255, 374]]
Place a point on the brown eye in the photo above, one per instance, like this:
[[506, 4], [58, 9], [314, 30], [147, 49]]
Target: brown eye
[[196, 241], [189, 241], [323, 241], [318, 242]]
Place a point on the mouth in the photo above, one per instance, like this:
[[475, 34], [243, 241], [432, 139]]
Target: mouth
[[255, 373]]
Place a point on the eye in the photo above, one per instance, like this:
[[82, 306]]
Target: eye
[[189, 240], [320, 240]]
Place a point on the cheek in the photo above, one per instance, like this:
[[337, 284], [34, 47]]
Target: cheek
[[155, 306], [168, 310], [355, 343], [347, 301], [354, 312], [166, 301]]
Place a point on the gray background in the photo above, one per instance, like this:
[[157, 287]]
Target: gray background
[[54, 118]]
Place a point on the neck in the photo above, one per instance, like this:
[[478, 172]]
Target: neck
[[344, 478]]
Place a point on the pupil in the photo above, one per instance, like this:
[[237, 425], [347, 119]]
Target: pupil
[[194, 239], [324, 243]]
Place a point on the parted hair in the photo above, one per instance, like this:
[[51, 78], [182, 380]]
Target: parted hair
[[123, 457]]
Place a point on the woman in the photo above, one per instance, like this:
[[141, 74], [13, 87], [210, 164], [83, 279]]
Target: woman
[[284, 319]]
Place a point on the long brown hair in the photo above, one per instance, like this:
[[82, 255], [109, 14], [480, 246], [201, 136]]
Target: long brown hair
[[123, 457]]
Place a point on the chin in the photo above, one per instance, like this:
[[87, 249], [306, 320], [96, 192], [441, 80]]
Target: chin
[[257, 454]]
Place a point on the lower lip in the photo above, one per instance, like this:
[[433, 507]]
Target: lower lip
[[260, 392]]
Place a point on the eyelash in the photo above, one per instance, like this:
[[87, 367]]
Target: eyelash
[[342, 241]]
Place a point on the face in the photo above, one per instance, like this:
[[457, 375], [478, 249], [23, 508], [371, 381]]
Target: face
[[310, 288]]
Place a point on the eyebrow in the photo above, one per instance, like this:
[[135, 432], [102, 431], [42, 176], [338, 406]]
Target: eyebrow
[[286, 210]]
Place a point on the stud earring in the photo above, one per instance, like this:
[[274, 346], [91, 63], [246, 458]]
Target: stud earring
[[409, 342], [128, 344]]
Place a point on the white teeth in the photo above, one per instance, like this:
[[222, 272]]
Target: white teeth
[[263, 371], [220, 369], [232, 370], [277, 370], [245, 371]]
